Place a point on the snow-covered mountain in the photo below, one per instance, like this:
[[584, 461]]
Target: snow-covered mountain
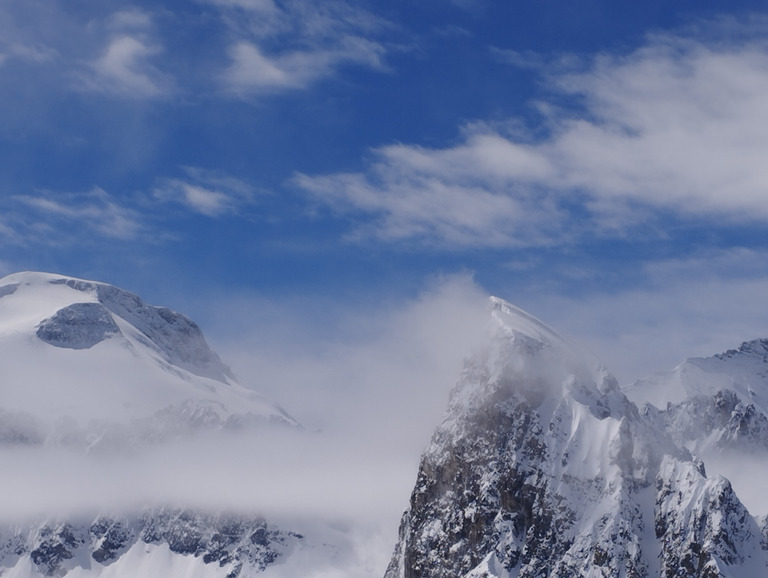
[[80, 360], [743, 371], [543, 467], [88, 371], [717, 407]]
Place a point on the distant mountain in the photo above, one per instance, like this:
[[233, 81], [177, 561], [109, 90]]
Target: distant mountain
[[743, 371], [715, 404], [543, 467], [717, 407], [81, 360]]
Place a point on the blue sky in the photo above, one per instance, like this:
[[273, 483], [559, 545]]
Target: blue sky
[[601, 164]]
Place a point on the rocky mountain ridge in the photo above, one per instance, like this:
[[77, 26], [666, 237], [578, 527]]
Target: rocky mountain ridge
[[231, 544], [543, 467]]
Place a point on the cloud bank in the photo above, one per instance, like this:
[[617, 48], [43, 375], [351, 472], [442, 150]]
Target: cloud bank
[[673, 128]]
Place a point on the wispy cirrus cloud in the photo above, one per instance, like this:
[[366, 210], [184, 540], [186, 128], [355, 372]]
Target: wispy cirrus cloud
[[253, 72], [80, 214], [38, 54], [413, 196], [290, 45], [209, 193], [675, 126], [127, 52], [84, 217], [123, 70], [125, 67], [116, 52]]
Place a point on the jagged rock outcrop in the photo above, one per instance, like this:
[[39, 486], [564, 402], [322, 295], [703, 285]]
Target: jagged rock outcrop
[[174, 336], [238, 544]]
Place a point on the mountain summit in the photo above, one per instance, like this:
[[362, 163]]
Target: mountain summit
[[542, 467], [76, 352]]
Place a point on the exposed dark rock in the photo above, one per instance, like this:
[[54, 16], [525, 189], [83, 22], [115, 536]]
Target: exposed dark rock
[[78, 326], [236, 541]]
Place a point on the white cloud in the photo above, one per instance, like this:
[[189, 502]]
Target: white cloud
[[376, 372], [38, 54], [251, 70], [117, 56], [6, 230], [114, 53], [130, 19], [95, 210], [124, 70], [261, 6], [436, 210], [291, 46], [210, 193], [674, 126]]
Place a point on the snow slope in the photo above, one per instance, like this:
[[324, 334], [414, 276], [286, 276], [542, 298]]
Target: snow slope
[[743, 371]]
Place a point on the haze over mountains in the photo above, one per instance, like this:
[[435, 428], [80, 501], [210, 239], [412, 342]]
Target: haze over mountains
[[130, 449]]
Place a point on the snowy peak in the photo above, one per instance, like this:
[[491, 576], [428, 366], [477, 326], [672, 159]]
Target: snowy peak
[[757, 348], [77, 349], [717, 408], [522, 356], [542, 467], [744, 371], [88, 313], [522, 326]]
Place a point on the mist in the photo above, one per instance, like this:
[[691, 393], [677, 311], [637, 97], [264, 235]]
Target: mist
[[368, 388]]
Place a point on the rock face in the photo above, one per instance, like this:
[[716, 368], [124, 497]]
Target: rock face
[[78, 326], [543, 468], [237, 544], [176, 337]]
